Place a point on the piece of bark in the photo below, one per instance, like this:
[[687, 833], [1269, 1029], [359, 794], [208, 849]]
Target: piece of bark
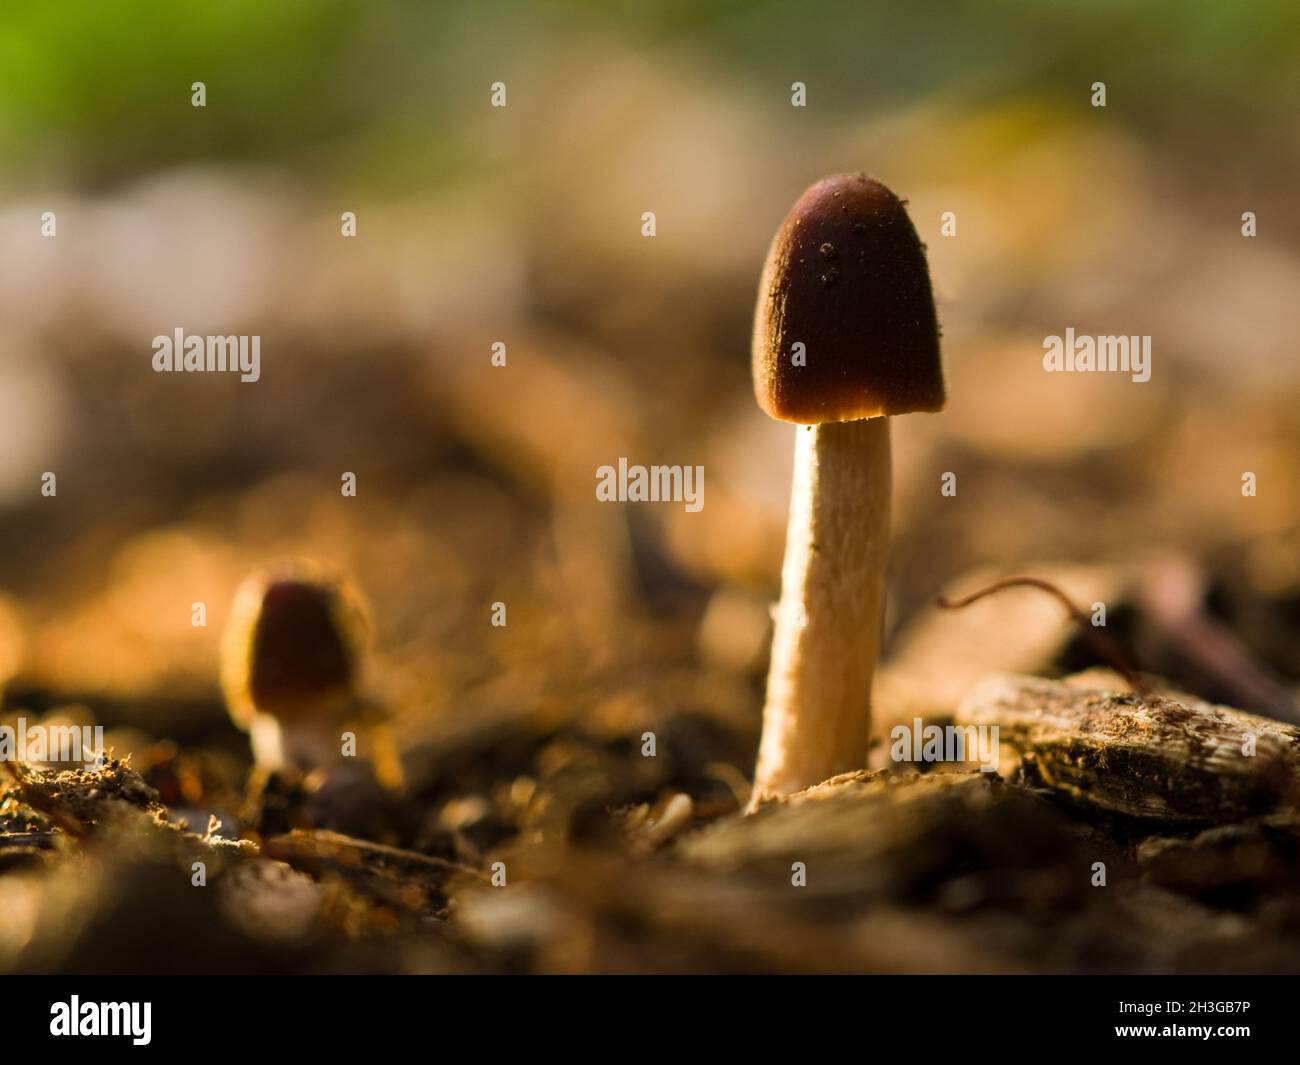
[[330, 848], [405, 879], [896, 836], [1176, 760]]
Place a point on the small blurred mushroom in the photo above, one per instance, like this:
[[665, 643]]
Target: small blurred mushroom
[[292, 658]]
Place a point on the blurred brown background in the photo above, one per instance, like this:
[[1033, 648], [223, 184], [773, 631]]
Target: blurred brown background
[[522, 224]]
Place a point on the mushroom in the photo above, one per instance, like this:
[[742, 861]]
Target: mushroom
[[291, 659], [846, 278]]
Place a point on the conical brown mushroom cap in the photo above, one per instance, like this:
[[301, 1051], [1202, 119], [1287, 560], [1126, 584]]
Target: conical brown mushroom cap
[[846, 277], [293, 644]]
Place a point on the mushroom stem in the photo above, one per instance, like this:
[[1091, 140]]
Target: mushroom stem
[[817, 720]]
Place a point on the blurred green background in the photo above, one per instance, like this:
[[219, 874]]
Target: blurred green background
[[391, 93]]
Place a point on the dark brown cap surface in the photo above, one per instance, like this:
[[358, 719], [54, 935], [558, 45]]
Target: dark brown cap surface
[[293, 643], [846, 277]]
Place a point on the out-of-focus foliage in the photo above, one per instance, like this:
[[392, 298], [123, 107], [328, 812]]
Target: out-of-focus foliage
[[384, 88]]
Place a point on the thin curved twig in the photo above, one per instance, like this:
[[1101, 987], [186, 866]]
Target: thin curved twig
[[1106, 648]]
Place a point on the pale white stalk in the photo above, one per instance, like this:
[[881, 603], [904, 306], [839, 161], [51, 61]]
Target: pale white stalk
[[817, 719]]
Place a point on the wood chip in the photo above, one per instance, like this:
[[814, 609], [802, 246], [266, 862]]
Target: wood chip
[[1175, 759]]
